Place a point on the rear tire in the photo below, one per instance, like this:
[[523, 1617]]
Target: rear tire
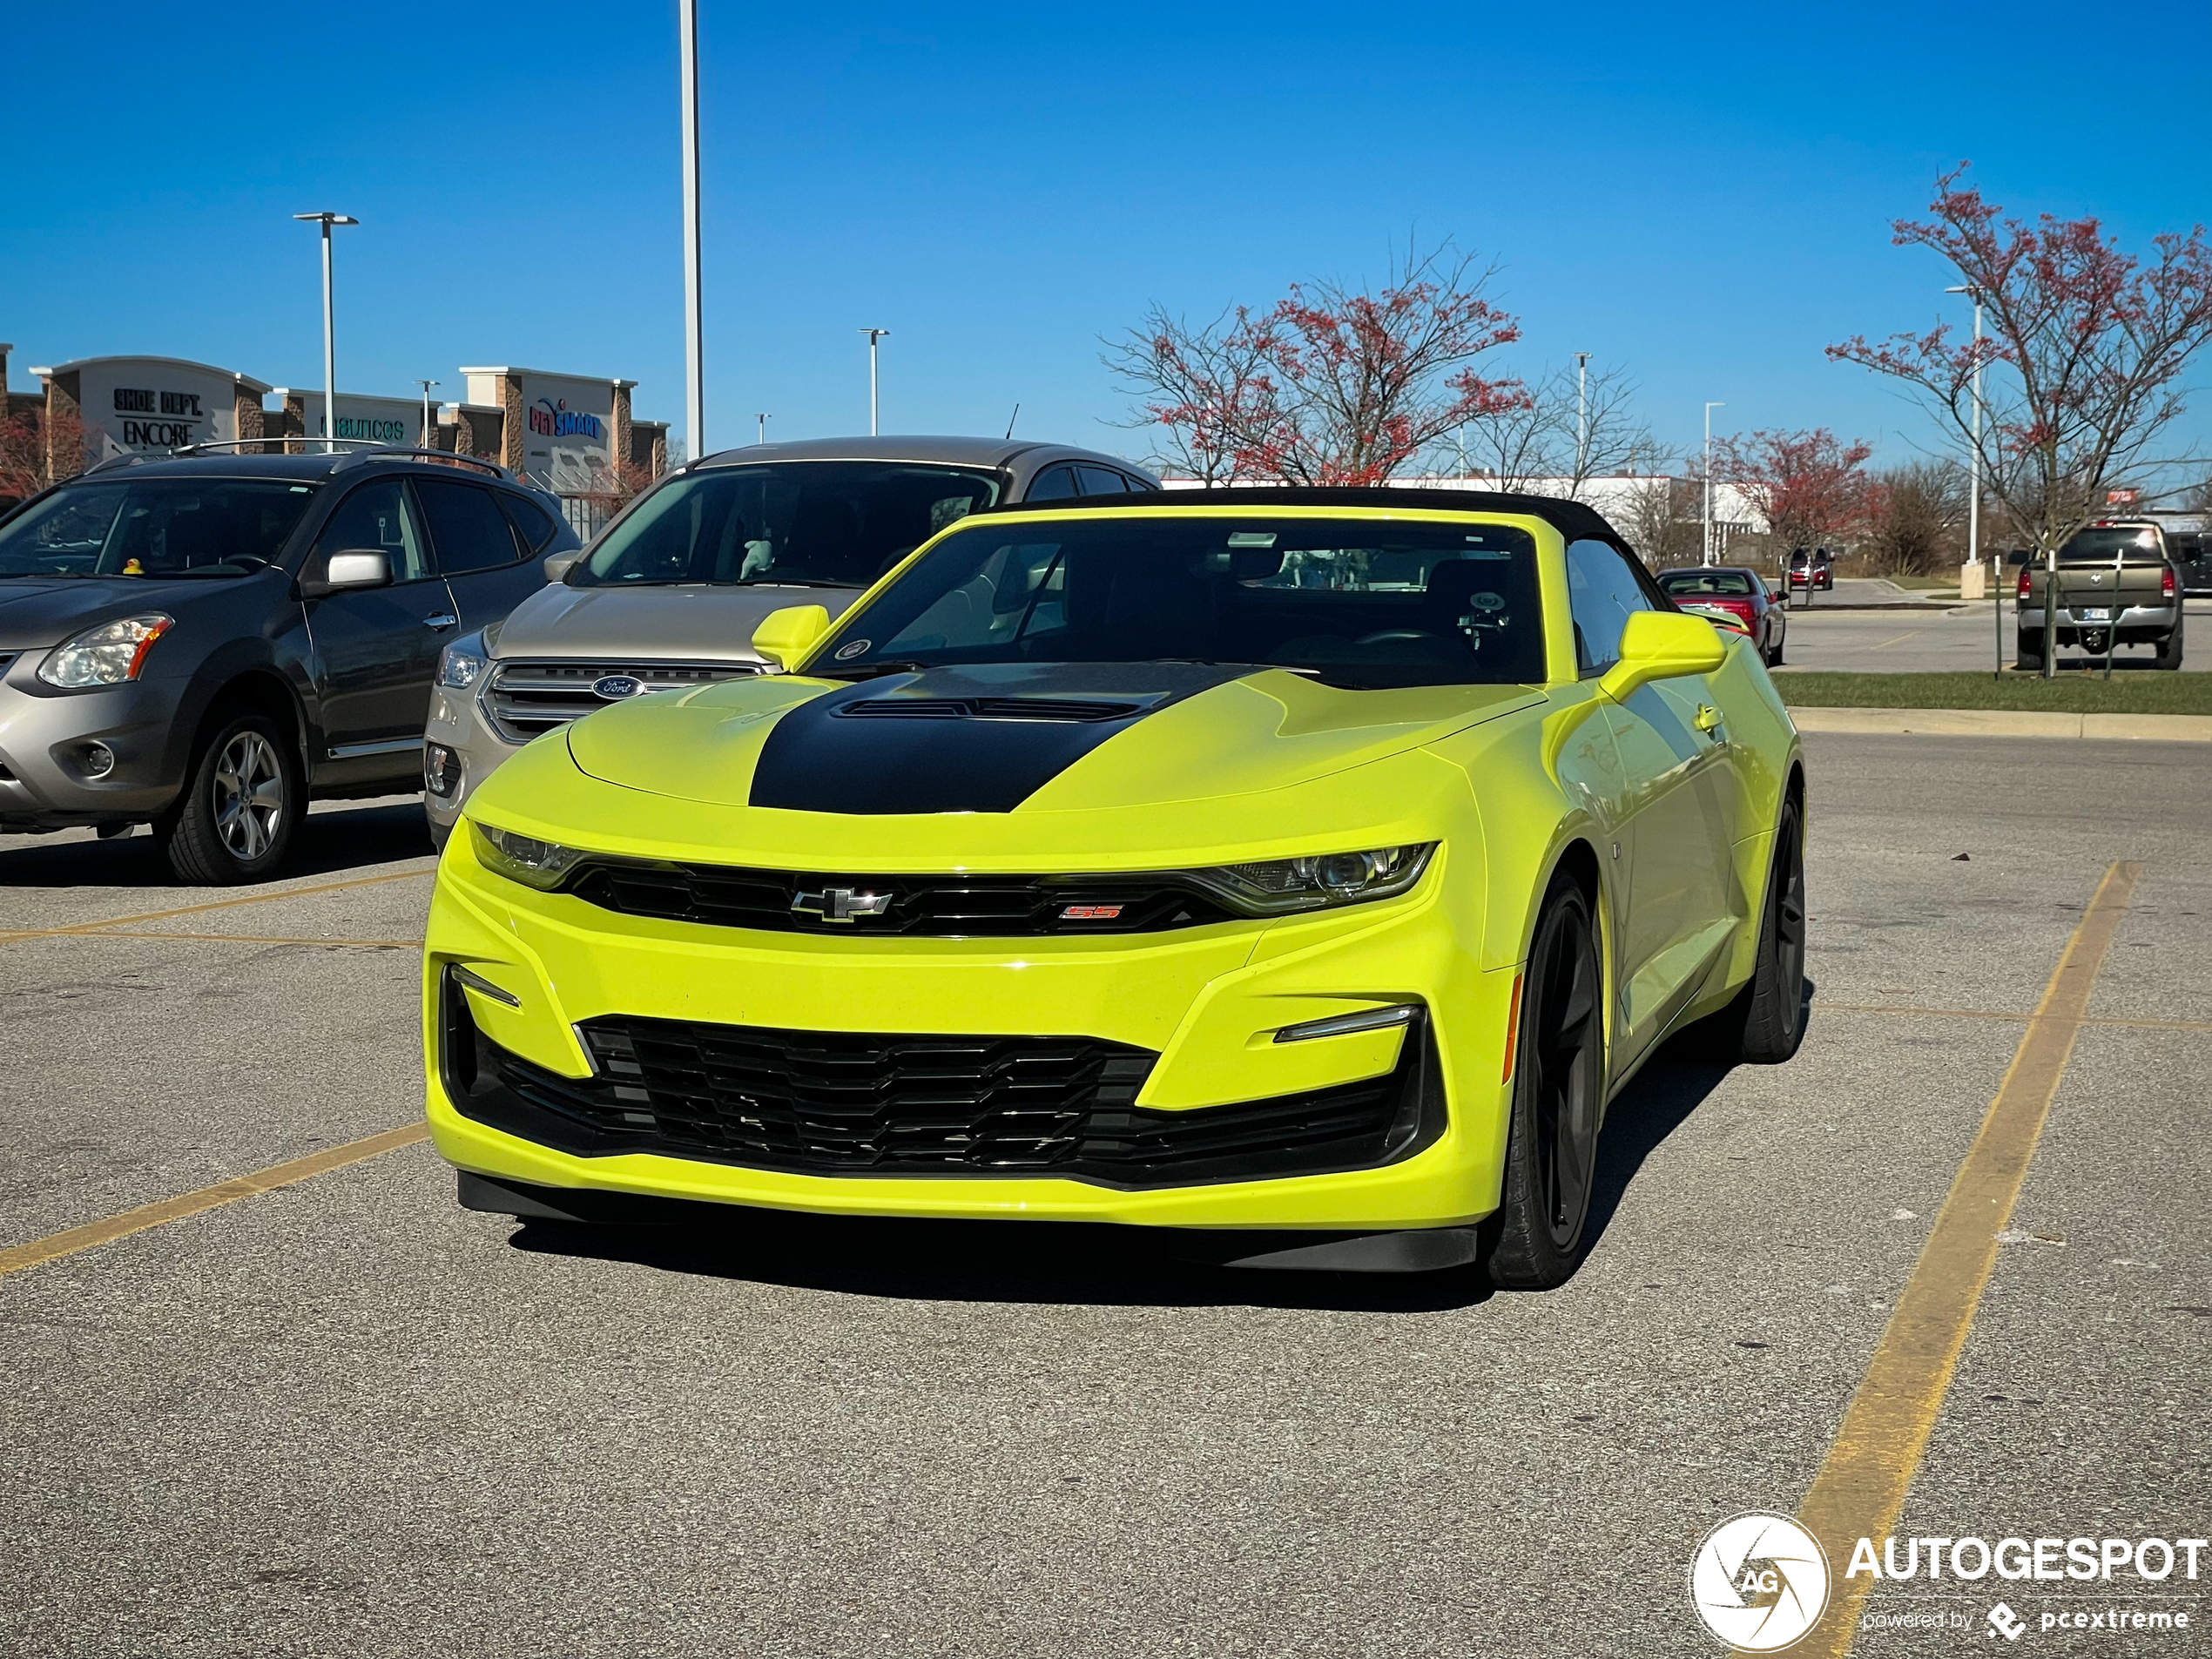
[[1538, 1238], [1766, 1023], [240, 806], [1774, 656], [2027, 651], [2170, 650]]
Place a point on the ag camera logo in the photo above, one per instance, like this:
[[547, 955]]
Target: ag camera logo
[[1759, 1581]]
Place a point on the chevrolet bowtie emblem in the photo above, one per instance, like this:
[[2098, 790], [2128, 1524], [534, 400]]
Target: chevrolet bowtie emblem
[[840, 904]]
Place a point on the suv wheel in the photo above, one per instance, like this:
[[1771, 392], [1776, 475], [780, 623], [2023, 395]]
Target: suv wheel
[[235, 819]]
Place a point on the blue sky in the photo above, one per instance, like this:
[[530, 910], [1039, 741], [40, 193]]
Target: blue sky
[[1702, 195]]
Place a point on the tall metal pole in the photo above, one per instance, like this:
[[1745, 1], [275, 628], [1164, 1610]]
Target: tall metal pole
[[1581, 417], [764, 426], [687, 30], [329, 331], [1974, 498], [1709, 556], [873, 334], [426, 386]]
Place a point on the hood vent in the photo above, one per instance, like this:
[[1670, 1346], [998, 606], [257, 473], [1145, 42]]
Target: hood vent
[[1061, 710]]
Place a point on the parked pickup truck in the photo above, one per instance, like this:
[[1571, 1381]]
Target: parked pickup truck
[[2117, 586]]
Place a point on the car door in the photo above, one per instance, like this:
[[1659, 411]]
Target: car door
[[489, 569], [376, 649], [1680, 831]]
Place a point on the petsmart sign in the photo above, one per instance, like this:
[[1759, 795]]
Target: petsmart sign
[[568, 432]]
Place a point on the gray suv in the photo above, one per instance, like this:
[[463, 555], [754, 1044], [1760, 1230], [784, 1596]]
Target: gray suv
[[204, 642], [668, 595]]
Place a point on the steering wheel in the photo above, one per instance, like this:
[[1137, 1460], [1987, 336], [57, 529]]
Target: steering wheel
[[1385, 635]]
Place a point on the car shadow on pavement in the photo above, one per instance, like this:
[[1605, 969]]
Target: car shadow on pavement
[[333, 840], [1059, 1263]]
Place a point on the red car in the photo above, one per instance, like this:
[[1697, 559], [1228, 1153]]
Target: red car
[[1735, 593], [1812, 569]]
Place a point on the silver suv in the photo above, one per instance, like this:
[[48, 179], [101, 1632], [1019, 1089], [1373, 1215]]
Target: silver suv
[[666, 598], [203, 642]]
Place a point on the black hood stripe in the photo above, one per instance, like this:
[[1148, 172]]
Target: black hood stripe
[[816, 761]]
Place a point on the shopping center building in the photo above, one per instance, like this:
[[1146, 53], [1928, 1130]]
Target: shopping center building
[[572, 435]]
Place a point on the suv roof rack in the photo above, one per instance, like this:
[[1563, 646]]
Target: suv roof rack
[[392, 452], [355, 450]]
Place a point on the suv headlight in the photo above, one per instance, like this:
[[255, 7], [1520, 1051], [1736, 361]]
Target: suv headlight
[[107, 655], [520, 858], [1284, 886], [462, 663]]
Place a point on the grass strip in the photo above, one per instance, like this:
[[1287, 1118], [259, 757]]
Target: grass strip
[[2128, 692]]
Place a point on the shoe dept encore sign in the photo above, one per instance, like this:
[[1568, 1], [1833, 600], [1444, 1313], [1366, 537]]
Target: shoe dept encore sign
[[154, 404]]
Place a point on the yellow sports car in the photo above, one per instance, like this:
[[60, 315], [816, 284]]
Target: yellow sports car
[[1296, 874]]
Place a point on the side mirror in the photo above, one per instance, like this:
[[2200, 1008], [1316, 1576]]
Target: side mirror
[[557, 566], [1658, 646], [786, 636], [356, 566]]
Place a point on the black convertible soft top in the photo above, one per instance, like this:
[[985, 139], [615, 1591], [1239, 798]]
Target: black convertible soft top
[[1570, 518]]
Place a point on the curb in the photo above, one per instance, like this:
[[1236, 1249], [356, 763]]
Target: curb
[[2006, 723]]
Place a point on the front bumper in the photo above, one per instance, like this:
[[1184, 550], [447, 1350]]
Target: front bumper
[[1205, 1001], [48, 779], [457, 725]]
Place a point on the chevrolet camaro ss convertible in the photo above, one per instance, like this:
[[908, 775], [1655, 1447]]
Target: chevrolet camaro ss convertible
[[1296, 874]]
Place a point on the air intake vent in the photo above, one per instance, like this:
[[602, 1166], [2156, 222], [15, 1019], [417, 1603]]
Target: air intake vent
[[1064, 710]]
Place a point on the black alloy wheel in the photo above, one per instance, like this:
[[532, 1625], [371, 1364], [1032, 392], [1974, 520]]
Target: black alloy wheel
[[1765, 1023], [1559, 1097]]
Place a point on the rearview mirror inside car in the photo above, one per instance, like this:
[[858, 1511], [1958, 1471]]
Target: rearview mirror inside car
[[1658, 646], [356, 566], [786, 636], [557, 566]]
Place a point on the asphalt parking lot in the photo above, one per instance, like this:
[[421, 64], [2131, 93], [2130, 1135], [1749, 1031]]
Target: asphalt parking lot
[[1918, 640], [345, 1417]]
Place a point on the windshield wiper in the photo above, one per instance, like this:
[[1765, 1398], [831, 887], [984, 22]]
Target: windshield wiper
[[867, 670]]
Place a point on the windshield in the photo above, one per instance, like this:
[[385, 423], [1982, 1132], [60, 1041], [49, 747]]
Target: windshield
[[153, 527], [1695, 581], [2095, 546], [1357, 603], [811, 524]]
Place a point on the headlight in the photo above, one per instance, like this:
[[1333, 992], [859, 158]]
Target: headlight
[[461, 663], [107, 655], [533, 863], [1282, 886]]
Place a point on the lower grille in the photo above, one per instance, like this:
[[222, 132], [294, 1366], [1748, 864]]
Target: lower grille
[[863, 1104], [526, 697]]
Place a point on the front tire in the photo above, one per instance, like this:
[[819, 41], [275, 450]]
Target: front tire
[[241, 807], [1538, 1236]]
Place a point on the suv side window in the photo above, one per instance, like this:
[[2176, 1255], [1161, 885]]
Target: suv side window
[[1102, 481], [532, 523], [1602, 593], [378, 518], [466, 526], [1053, 484]]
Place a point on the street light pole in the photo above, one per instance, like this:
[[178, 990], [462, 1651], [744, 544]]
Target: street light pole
[[1709, 556], [1973, 499], [687, 30], [329, 335], [764, 426], [426, 386], [1581, 417], [873, 334]]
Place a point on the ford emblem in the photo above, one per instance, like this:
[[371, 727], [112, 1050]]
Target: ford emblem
[[613, 688]]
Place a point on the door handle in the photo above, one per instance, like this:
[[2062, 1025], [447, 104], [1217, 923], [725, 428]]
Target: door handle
[[442, 622]]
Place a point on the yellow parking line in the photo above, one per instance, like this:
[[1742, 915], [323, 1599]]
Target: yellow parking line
[[8, 935], [1901, 638], [248, 938], [54, 1246], [1870, 1467]]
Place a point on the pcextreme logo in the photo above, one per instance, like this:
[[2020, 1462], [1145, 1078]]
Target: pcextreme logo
[[1759, 1581]]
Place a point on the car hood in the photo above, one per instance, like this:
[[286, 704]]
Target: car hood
[[692, 623], [1014, 739], [35, 612]]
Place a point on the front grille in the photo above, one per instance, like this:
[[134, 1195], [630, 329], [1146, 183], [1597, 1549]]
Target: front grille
[[1057, 710], [526, 697], [863, 1104], [927, 906]]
